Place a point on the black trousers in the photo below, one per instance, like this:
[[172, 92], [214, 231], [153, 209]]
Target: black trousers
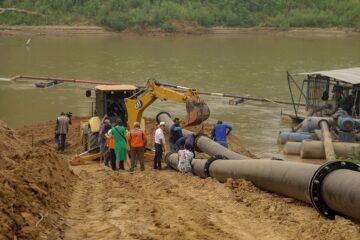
[[158, 156], [62, 138], [112, 159], [122, 167]]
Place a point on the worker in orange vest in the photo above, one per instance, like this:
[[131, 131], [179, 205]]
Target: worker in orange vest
[[137, 142], [111, 154]]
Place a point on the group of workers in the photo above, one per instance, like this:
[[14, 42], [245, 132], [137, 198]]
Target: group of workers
[[185, 145], [117, 144], [114, 139]]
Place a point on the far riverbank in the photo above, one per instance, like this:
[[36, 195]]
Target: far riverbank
[[180, 30]]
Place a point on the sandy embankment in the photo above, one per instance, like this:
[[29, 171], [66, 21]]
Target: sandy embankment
[[160, 204], [181, 29], [35, 184]]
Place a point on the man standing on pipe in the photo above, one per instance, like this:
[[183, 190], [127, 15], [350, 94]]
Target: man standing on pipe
[[219, 133], [159, 145]]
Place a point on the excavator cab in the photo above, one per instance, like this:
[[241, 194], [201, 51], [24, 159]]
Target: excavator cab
[[110, 100]]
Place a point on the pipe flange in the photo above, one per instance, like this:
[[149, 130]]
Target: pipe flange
[[316, 183], [211, 160], [157, 116]]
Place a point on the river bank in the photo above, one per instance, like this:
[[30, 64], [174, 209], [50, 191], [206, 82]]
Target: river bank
[[180, 31], [45, 197]]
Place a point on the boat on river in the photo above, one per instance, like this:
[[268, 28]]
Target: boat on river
[[322, 93], [50, 83]]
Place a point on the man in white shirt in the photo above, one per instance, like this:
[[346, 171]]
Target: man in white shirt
[[159, 145]]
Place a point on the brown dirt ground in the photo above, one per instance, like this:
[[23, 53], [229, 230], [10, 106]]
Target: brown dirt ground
[[168, 205]]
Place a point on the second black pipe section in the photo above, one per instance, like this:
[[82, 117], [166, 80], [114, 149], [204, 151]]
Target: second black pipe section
[[333, 188]]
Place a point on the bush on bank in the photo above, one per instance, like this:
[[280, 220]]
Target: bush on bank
[[121, 14]]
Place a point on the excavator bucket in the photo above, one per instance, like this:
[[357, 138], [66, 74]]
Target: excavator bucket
[[197, 112]]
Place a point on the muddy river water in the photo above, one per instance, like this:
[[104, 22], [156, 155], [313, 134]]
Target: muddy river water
[[250, 64]]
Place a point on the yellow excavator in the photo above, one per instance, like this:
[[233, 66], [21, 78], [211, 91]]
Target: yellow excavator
[[128, 103], [196, 109]]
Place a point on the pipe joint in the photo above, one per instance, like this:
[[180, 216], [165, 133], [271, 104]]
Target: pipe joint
[[323, 120], [160, 113], [316, 184], [210, 161]]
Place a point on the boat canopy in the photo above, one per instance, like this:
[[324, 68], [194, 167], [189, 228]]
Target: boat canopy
[[122, 87], [348, 75]]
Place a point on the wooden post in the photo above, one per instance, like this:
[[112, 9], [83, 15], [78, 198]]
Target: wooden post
[[328, 144]]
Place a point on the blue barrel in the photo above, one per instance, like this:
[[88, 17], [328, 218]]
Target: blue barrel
[[293, 137]]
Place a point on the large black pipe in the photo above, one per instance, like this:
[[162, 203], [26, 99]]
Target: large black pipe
[[340, 191], [203, 143], [286, 178], [332, 188]]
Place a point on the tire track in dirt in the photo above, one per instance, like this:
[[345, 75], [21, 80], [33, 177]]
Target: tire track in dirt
[[87, 217], [154, 205]]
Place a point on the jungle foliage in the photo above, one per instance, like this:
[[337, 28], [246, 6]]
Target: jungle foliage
[[201, 14]]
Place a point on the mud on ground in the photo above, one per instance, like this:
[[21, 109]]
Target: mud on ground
[[168, 205]]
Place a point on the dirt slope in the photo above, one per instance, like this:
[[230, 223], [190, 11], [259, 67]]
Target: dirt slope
[[34, 188]]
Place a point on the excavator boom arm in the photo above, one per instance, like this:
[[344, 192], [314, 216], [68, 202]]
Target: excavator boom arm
[[197, 110]]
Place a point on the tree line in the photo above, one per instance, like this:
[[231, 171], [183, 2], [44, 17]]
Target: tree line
[[201, 14]]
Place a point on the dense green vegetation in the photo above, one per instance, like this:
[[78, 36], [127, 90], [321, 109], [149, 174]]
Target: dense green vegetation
[[168, 14]]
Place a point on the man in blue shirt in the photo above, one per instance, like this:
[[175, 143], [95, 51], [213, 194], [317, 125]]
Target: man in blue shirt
[[219, 133]]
